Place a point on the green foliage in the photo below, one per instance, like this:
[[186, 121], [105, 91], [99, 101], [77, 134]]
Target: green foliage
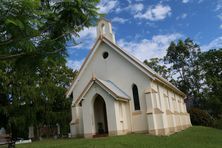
[[211, 63], [4, 116], [39, 28], [198, 74], [18, 126], [33, 72], [158, 67], [183, 60], [218, 123], [200, 117], [39, 98]]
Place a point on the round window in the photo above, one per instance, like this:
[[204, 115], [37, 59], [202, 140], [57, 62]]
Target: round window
[[105, 55]]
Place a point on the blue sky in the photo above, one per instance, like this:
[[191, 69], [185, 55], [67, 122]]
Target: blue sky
[[146, 27]]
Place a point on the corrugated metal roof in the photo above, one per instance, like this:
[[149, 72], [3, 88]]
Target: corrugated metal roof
[[114, 88]]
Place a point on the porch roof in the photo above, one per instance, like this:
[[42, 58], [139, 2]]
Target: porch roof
[[114, 89], [108, 86]]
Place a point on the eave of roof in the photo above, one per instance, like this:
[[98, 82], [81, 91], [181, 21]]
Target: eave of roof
[[151, 73], [112, 89], [119, 93], [148, 69], [82, 66]]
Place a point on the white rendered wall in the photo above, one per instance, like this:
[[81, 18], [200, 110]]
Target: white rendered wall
[[123, 73]]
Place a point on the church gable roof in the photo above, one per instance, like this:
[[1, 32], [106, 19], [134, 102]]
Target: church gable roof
[[109, 40], [148, 71], [106, 85]]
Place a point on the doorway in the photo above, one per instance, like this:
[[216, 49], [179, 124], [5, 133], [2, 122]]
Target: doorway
[[100, 116]]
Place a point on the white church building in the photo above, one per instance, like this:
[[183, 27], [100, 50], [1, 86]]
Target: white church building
[[115, 94]]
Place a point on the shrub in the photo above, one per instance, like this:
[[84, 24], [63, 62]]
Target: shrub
[[218, 123], [200, 117]]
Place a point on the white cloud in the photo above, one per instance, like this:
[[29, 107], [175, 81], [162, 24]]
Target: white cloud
[[185, 1], [146, 49], [216, 43], [154, 13], [137, 7], [133, 8], [183, 16], [88, 32], [218, 5], [220, 16], [87, 36], [106, 6], [218, 9], [129, 1], [200, 1], [85, 41], [119, 20], [221, 26], [74, 64]]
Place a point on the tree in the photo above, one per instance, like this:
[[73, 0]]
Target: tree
[[33, 74], [38, 29], [211, 64], [34, 30], [198, 74], [183, 58], [39, 99], [155, 64]]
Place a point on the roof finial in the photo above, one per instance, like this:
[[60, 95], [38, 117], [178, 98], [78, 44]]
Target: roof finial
[[104, 28]]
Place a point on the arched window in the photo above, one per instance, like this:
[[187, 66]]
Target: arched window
[[136, 97]]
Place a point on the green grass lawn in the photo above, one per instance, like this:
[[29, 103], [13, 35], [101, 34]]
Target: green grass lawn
[[194, 137]]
